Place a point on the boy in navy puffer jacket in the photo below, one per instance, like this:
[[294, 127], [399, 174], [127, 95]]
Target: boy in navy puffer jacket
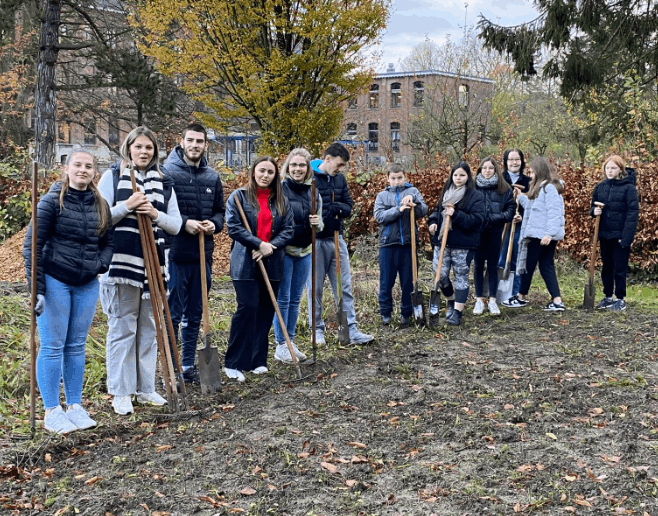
[[392, 208], [617, 227]]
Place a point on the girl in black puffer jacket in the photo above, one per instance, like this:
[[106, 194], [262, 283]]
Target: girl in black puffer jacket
[[617, 227], [500, 207], [74, 245]]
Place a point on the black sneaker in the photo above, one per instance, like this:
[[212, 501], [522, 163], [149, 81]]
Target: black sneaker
[[455, 318], [191, 375], [618, 306], [606, 302], [514, 302], [450, 309], [554, 307]]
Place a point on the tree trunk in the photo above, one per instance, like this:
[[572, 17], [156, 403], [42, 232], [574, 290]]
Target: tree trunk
[[44, 101]]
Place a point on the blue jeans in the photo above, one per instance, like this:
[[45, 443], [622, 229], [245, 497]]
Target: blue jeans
[[296, 273], [63, 327], [515, 253], [185, 301], [395, 260]]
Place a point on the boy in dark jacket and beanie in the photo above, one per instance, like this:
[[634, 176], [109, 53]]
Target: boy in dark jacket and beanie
[[201, 204], [392, 208], [617, 226], [336, 206]]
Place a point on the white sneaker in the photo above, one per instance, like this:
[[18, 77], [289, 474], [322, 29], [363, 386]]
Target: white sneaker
[[298, 354], [122, 405], [493, 307], [56, 421], [150, 398], [79, 417], [319, 338], [260, 370], [282, 354], [234, 374], [479, 307]]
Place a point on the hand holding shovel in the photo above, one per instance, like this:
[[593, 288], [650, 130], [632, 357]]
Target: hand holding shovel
[[590, 290], [416, 295]]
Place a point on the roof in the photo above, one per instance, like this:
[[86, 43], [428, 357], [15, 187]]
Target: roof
[[429, 73]]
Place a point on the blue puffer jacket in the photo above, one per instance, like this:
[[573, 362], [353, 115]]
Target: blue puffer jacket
[[243, 267], [467, 222], [621, 211], [544, 215], [341, 207], [200, 197], [395, 226], [499, 208], [68, 245]]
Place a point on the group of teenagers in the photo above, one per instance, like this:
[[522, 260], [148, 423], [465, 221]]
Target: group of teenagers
[[88, 246]]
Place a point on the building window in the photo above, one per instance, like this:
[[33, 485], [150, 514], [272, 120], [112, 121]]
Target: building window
[[351, 131], [396, 95], [373, 135], [463, 95], [113, 131], [374, 96], [395, 136], [90, 131], [352, 103], [419, 93]]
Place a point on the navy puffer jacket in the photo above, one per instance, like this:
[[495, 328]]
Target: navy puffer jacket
[[467, 222], [341, 206], [243, 266], [499, 208], [68, 245], [200, 197], [621, 211], [298, 196]]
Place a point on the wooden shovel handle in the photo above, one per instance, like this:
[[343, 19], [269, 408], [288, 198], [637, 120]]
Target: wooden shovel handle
[[443, 247], [414, 265], [592, 259], [510, 245], [204, 282]]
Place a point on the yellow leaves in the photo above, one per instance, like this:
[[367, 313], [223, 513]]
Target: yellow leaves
[[551, 435]]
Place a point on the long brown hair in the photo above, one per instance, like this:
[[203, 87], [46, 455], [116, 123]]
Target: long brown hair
[[99, 203], [503, 185], [276, 193], [142, 130], [543, 172]]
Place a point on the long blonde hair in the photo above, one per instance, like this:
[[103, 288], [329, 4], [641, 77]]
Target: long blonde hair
[[127, 161], [99, 203], [543, 172]]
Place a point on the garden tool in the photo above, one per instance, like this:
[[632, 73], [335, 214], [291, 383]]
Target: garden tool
[[207, 356], [343, 327], [504, 273], [590, 289], [261, 266], [435, 295], [416, 295], [33, 298], [313, 322]]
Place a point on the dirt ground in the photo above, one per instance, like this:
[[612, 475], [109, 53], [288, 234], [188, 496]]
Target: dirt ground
[[526, 413]]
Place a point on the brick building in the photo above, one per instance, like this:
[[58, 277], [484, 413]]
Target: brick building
[[398, 105]]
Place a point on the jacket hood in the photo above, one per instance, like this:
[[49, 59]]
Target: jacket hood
[[389, 188], [315, 165], [176, 158]]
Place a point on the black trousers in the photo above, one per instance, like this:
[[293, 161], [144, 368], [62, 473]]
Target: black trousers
[[615, 266], [542, 255], [250, 325], [488, 252]]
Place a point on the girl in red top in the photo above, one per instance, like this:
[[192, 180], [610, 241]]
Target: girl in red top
[[272, 227]]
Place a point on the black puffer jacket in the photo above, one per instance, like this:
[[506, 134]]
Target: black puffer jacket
[[68, 245], [523, 180], [200, 197], [298, 196], [466, 222], [499, 208], [341, 207], [621, 211]]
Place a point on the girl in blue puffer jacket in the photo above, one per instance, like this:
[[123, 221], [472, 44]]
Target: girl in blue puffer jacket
[[617, 227], [74, 245]]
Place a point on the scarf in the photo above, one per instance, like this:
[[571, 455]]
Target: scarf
[[452, 196], [127, 265], [487, 184]]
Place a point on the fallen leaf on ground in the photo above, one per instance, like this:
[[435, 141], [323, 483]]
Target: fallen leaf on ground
[[329, 467], [248, 491]]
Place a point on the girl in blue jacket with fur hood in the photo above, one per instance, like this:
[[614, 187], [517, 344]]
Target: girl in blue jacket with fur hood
[[617, 227]]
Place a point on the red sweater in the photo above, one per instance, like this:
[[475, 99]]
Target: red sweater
[[264, 229]]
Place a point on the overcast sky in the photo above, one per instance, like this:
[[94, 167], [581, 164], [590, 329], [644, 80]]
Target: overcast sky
[[412, 20]]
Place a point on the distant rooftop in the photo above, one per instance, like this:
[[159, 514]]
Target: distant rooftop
[[390, 72]]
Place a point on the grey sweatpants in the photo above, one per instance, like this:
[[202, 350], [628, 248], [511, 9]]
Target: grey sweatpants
[[132, 349], [460, 262]]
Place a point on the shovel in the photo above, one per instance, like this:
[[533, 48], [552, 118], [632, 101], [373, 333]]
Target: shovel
[[207, 356], [314, 344], [416, 295], [590, 289], [503, 274], [33, 298], [343, 327], [435, 295]]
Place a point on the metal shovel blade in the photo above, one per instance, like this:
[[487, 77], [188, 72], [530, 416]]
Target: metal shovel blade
[[418, 306], [343, 327], [209, 375], [503, 274], [590, 294], [435, 306]]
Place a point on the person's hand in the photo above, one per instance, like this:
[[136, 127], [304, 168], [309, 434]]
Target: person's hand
[[147, 209], [314, 219], [40, 305], [517, 217], [208, 226], [598, 211], [136, 200], [264, 250], [450, 210], [433, 228], [407, 203], [546, 240], [193, 227]]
